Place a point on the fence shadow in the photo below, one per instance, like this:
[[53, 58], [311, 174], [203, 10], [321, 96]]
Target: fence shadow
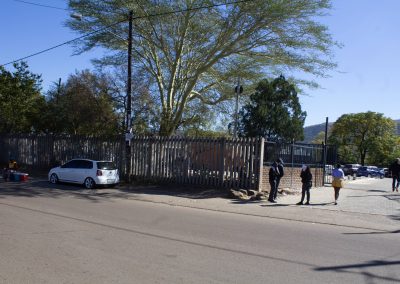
[[189, 191], [42, 188]]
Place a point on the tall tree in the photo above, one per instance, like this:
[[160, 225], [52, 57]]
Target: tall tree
[[20, 100], [83, 105], [194, 55], [366, 137], [274, 112]]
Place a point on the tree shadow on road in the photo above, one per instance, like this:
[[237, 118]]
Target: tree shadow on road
[[359, 268], [374, 233]]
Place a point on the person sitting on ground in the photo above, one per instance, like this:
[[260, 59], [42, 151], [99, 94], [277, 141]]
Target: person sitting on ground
[[11, 167]]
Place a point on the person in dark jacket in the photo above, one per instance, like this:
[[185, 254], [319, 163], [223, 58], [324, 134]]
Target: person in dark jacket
[[281, 173], [306, 180], [394, 170], [273, 178], [11, 167]]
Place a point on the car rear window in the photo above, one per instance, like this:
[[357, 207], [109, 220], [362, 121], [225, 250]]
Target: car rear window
[[106, 166]]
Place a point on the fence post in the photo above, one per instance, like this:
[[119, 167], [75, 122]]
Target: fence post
[[261, 164], [222, 162], [291, 172], [150, 158]]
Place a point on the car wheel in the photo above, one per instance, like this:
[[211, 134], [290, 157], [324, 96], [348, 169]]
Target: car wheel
[[89, 183], [54, 178]]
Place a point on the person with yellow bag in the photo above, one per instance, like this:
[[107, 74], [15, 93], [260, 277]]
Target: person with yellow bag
[[337, 180]]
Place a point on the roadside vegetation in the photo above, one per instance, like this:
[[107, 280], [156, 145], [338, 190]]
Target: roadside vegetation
[[188, 57]]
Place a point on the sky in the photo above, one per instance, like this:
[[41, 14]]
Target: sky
[[365, 79]]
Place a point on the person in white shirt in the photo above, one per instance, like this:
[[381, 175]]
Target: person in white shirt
[[337, 180]]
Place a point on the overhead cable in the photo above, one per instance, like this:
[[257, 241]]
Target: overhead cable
[[122, 21]]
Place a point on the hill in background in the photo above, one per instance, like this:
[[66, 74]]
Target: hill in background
[[310, 132]]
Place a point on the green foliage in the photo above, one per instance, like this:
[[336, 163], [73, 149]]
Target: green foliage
[[320, 138], [274, 112], [196, 132], [365, 138], [83, 105], [194, 56], [20, 100]]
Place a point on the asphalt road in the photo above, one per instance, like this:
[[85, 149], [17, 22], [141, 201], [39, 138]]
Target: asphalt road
[[68, 235]]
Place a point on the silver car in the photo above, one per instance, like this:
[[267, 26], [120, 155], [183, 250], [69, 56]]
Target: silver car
[[87, 172]]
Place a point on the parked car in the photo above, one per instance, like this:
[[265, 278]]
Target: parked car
[[90, 173], [350, 169], [370, 171], [387, 172], [328, 169]]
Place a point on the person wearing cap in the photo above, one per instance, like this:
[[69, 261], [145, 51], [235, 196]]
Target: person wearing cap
[[337, 180], [306, 180], [394, 170], [281, 174]]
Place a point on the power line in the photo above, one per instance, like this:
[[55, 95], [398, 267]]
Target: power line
[[122, 21], [41, 5]]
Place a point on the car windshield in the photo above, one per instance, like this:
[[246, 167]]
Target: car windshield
[[106, 166]]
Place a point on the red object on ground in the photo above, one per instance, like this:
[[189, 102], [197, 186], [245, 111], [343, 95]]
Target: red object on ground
[[23, 176]]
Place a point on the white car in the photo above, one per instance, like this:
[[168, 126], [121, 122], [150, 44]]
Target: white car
[[87, 172]]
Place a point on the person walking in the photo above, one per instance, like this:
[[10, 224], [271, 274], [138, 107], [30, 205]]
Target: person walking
[[337, 180], [394, 170], [273, 179], [281, 174], [306, 180]]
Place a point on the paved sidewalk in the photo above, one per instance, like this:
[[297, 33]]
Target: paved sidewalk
[[363, 203]]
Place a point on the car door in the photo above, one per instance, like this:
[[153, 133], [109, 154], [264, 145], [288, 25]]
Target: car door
[[65, 172], [85, 170]]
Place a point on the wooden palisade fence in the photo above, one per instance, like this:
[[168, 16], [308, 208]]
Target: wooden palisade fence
[[222, 163], [218, 163]]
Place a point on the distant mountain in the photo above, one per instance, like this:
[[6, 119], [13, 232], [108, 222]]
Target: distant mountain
[[310, 132], [398, 126]]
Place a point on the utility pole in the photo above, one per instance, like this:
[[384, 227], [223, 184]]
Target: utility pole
[[325, 150], [128, 135], [238, 90], [58, 89]]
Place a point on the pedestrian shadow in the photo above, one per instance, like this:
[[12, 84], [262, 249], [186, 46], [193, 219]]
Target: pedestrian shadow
[[319, 204], [376, 190], [275, 205], [250, 201]]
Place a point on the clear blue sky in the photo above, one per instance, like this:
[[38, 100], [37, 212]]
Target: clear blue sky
[[365, 80]]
